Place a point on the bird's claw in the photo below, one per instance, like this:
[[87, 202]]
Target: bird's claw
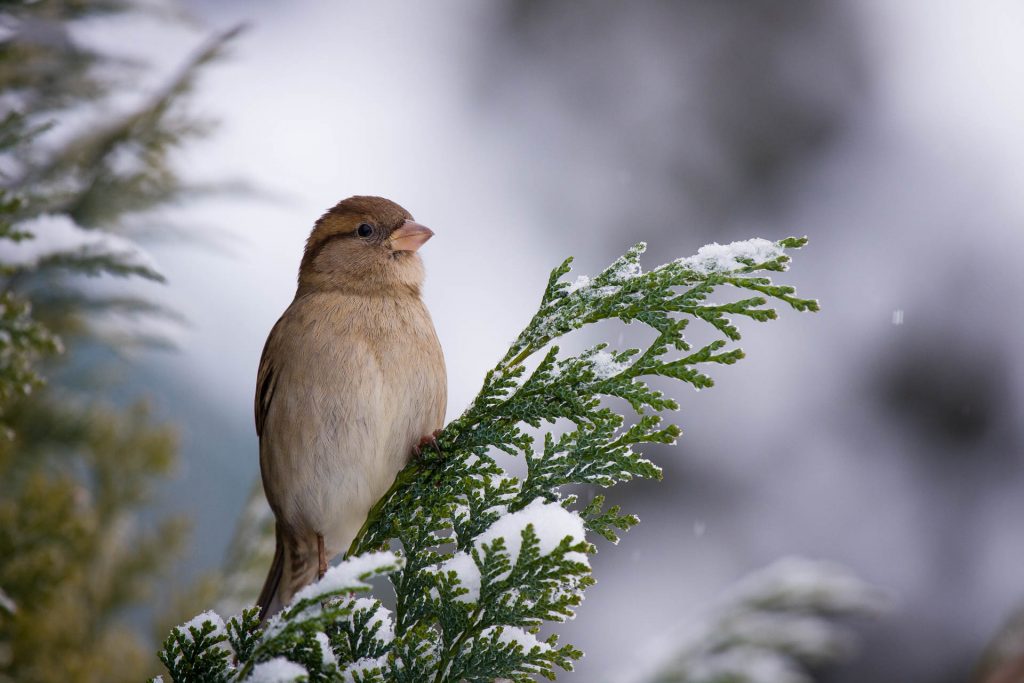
[[321, 557], [428, 440]]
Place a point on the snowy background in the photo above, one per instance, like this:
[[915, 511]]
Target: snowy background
[[885, 433]]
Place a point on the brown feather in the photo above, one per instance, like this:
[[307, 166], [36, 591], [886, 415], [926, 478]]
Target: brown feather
[[273, 580]]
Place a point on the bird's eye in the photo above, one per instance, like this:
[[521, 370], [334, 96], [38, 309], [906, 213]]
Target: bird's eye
[[364, 230]]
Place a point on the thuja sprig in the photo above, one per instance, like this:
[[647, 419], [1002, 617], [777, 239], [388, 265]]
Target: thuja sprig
[[484, 559], [461, 492], [598, 451]]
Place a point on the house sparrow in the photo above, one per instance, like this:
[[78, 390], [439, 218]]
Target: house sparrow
[[352, 378]]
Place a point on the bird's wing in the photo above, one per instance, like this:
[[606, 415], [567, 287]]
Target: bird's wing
[[266, 380]]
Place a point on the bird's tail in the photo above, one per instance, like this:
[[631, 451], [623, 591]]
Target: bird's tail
[[269, 601], [294, 567]]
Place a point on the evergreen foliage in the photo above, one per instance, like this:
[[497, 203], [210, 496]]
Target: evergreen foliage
[[23, 340], [774, 626], [76, 472], [483, 559]]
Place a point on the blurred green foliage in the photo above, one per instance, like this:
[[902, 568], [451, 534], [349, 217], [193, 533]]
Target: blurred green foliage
[[76, 470]]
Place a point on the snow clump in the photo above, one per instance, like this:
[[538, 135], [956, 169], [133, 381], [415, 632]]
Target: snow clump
[[606, 366], [197, 622], [724, 258], [514, 634], [551, 523], [277, 670], [350, 575]]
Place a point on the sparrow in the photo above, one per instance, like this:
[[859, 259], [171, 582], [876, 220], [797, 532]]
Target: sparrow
[[351, 383]]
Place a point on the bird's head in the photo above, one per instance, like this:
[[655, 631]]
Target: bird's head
[[364, 245]]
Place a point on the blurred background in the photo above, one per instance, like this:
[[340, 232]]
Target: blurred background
[[171, 167]]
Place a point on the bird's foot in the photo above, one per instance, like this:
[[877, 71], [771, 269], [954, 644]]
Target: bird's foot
[[321, 557], [430, 440]]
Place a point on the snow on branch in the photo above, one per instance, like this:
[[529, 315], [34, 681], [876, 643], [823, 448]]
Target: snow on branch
[[774, 624], [55, 240], [482, 558]]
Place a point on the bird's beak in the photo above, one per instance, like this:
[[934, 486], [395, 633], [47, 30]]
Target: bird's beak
[[410, 236]]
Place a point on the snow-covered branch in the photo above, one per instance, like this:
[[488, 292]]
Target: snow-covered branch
[[484, 558]]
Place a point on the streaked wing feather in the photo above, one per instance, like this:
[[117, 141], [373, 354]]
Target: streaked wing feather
[[266, 383]]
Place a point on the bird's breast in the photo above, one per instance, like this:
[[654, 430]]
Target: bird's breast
[[363, 382]]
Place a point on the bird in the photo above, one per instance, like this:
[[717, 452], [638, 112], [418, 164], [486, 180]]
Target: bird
[[351, 383]]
